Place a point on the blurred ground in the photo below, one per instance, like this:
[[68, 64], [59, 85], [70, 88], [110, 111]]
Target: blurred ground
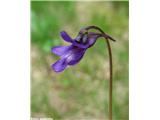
[[81, 91]]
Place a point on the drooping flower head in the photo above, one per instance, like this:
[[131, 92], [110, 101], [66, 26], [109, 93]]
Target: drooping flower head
[[72, 54]]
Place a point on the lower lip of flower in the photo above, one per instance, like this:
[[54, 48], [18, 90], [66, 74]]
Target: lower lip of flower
[[70, 55]]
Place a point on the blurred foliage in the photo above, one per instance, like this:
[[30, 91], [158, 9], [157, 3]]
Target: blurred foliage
[[81, 92]]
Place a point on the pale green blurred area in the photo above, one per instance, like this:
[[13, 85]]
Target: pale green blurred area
[[81, 91]]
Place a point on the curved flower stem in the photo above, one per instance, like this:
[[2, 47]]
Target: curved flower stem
[[97, 28], [110, 79], [106, 36]]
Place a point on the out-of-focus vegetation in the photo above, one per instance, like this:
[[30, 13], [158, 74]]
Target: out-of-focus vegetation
[[81, 91]]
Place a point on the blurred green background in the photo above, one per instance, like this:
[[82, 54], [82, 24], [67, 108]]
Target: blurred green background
[[81, 91]]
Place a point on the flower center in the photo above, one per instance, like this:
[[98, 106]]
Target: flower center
[[82, 37]]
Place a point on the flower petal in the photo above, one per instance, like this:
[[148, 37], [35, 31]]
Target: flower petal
[[75, 57], [60, 50], [92, 39], [59, 66], [80, 45], [66, 37]]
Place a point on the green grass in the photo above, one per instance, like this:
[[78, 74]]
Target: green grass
[[81, 91]]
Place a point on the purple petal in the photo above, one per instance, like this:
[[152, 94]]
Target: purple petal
[[59, 66], [80, 45], [92, 39], [66, 37], [75, 57], [60, 50]]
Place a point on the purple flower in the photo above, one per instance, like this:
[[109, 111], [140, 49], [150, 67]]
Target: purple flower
[[71, 55]]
